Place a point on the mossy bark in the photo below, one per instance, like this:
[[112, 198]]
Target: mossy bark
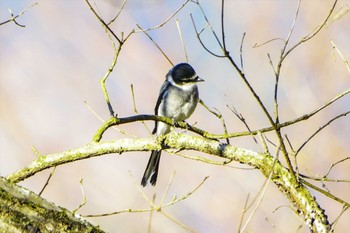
[[24, 211]]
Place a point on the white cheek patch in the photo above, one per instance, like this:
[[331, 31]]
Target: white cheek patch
[[185, 87]]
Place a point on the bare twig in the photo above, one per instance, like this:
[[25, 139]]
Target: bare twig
[[294, 156], [183, 125], [319, 129], [153, 206], [223, 26], [104, 78], [200, 40], [259, 197], [135, 108], [102, 120], [104, 23], [346, 62], [328, 194], [209, 161], [279, 66], [344, 209], [324, 179], [166, 57], [311, 34], [166, 192], [209, 24], [47, 181], [119, 12], [14, 17], [121, 41], [165, 21], [245, 209], [218, 114], [242, 119], [256, 45], [241, 52], [83, 201], [182, 39], [334, 164]]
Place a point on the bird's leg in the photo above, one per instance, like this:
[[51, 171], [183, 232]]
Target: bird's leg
[[175, 122]]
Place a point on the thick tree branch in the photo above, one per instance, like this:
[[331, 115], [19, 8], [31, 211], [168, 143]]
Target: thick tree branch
[[304, 202], [24, 211]]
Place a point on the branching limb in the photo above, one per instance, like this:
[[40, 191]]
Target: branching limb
[[304, 202], [117, 50], [325, 177], [183, 125], [311, 34], [120, 41], [242, 119], [14, 17], [104, 78]]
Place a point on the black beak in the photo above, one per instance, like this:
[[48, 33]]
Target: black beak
[[198, 79]]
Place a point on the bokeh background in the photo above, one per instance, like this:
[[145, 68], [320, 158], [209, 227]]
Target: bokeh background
[[52, 66]]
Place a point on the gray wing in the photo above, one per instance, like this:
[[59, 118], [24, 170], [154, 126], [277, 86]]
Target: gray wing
[[162, 95]]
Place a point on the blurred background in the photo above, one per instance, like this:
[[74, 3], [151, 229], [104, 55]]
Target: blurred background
[[49, 79]]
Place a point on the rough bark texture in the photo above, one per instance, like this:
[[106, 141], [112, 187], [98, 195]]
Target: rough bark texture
[[23, 211]]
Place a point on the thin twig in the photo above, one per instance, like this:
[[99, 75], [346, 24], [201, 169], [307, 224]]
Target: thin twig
[[177, 222], [209, 161], [135, 108], [324, 179], [241, 52], [47, 181], [200, 40], [328, 194], [13, 18], [183, 125], [119, 12], [104, 78], [182, 39], [344, 209], [242, 119], [83, 201], [334, 164], [319, 129], [165, 21], [311, 34], [104, 23], [346, 62], [223, 26], [161, 50], [218, 114], [166, 192], [102, 120], [153, 206], [294, 156], [209, 24], [259, 197], [245, 209]]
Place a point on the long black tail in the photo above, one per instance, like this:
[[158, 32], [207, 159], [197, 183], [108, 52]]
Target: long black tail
[[151, 171]]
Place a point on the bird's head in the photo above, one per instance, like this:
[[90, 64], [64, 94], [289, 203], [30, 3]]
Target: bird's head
[[183, 74]]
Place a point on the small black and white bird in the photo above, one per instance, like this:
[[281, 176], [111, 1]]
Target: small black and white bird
[[177, 99]]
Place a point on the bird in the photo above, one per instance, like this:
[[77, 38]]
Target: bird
[[178, 98]]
